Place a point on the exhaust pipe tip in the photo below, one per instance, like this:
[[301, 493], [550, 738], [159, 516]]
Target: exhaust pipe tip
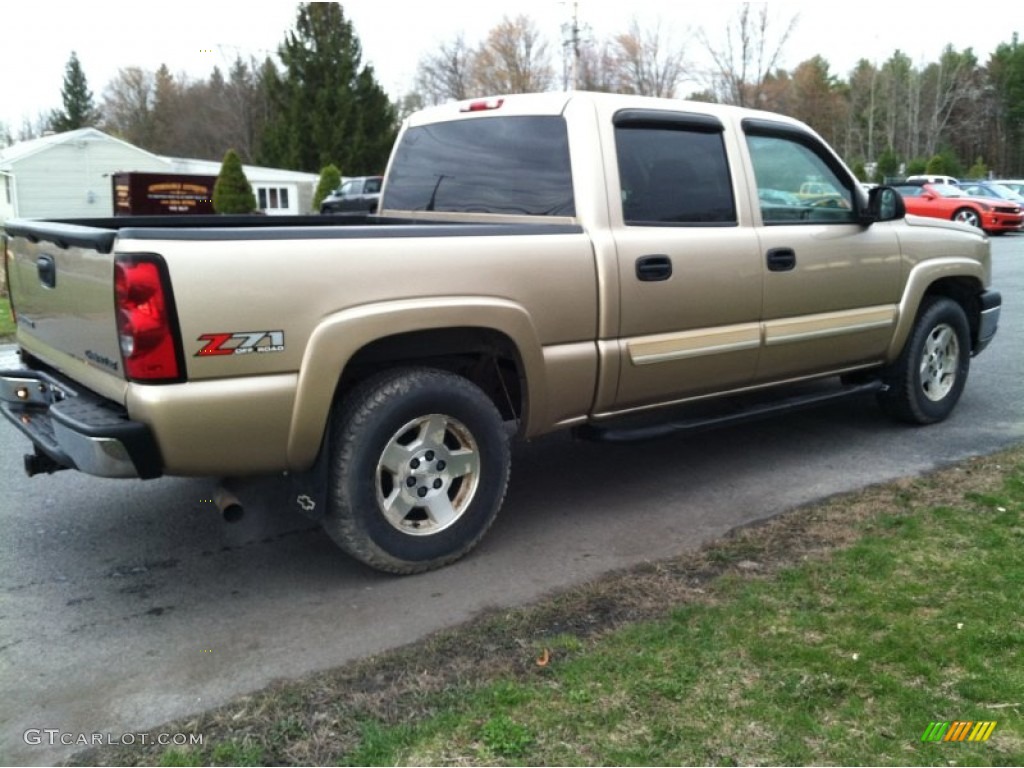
[[40, 463], [230, 507]]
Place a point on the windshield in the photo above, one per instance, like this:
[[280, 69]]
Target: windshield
[[946, 190]]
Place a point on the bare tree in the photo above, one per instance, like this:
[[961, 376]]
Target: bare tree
[[33, 128], [647, 63], [862, 112], [750, 54], [174, 115], [897, 91], [128, 106], [234, 109], [949, 83], [817, 99], [513, 59], [446, 75], [597, 68]]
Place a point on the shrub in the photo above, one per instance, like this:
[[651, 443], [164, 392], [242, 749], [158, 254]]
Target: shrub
[[232, 193], [330, 180]]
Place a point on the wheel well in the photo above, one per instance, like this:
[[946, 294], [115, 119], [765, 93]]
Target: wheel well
[[964, 291], [486, 357]]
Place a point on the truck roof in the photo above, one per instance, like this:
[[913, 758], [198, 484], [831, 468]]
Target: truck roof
[[554, 103]]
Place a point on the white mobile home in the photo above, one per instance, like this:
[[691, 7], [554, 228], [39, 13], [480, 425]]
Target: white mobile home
[[67, 175]]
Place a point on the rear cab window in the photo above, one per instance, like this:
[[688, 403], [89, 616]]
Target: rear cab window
[[505, 165]]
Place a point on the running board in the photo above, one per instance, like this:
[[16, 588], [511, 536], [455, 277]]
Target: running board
[[620, 434]]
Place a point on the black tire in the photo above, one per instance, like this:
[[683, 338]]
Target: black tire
[[420, 462], [925, 382], [967, 216]]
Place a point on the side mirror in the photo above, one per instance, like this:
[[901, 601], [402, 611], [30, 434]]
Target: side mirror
[[885, 204]]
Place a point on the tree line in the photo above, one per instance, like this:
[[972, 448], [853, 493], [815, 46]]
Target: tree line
[[319, 104]]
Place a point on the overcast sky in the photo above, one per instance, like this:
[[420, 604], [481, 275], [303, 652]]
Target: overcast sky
[[193, 37]]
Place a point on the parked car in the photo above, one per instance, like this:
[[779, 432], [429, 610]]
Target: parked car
[[812, 191], [932, 179], [991, 190], [1017, 185], [945, 201], [360, 194]]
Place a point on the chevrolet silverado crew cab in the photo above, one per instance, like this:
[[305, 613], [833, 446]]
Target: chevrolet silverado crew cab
[[609, 264]]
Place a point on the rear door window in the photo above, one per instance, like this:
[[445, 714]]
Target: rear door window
[[673, 173]]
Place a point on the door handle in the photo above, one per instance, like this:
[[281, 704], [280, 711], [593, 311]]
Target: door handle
[[652, 268], [781, 259], [47, 269]]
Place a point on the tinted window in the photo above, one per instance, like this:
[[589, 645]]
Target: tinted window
[[673, 176], [372, 186], [782, 164], [515, 165]]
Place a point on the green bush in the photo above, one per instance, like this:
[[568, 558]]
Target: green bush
[[330, 180], [978, 171], [232, 193]]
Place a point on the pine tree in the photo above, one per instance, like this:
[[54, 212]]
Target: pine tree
[[330, 180], [326, 105], [79, 110], [232, 193]]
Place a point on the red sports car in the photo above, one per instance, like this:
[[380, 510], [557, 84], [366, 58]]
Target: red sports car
[[944, 201]]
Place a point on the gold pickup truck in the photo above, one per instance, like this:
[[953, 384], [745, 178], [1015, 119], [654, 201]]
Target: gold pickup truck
[[622, 266]]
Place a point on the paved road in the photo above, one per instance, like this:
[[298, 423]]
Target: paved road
[[125, 604]]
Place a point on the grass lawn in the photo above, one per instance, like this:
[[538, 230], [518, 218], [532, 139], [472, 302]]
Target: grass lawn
[[833, 635]]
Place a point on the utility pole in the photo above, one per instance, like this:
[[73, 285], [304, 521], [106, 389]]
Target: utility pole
[[572, 45]]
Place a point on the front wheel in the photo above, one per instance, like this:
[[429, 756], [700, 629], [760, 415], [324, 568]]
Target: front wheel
[[419, 466], [925, 382], [968, 216]]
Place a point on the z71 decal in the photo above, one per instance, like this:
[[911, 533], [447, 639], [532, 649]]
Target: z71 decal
[[241, 343]]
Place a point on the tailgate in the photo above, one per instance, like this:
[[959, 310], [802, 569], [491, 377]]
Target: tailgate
[[61, 283]]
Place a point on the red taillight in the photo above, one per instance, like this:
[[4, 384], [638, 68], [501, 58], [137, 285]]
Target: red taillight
[[145, 322], [482, 105]]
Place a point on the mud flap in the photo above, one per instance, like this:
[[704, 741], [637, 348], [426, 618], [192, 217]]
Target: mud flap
[[307, 491]]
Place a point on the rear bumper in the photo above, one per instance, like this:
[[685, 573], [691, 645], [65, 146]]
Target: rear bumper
[[74, 427]]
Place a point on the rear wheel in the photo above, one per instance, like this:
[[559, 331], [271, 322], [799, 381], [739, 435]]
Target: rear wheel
[[419, 467], [925, 383], [968, 216]]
